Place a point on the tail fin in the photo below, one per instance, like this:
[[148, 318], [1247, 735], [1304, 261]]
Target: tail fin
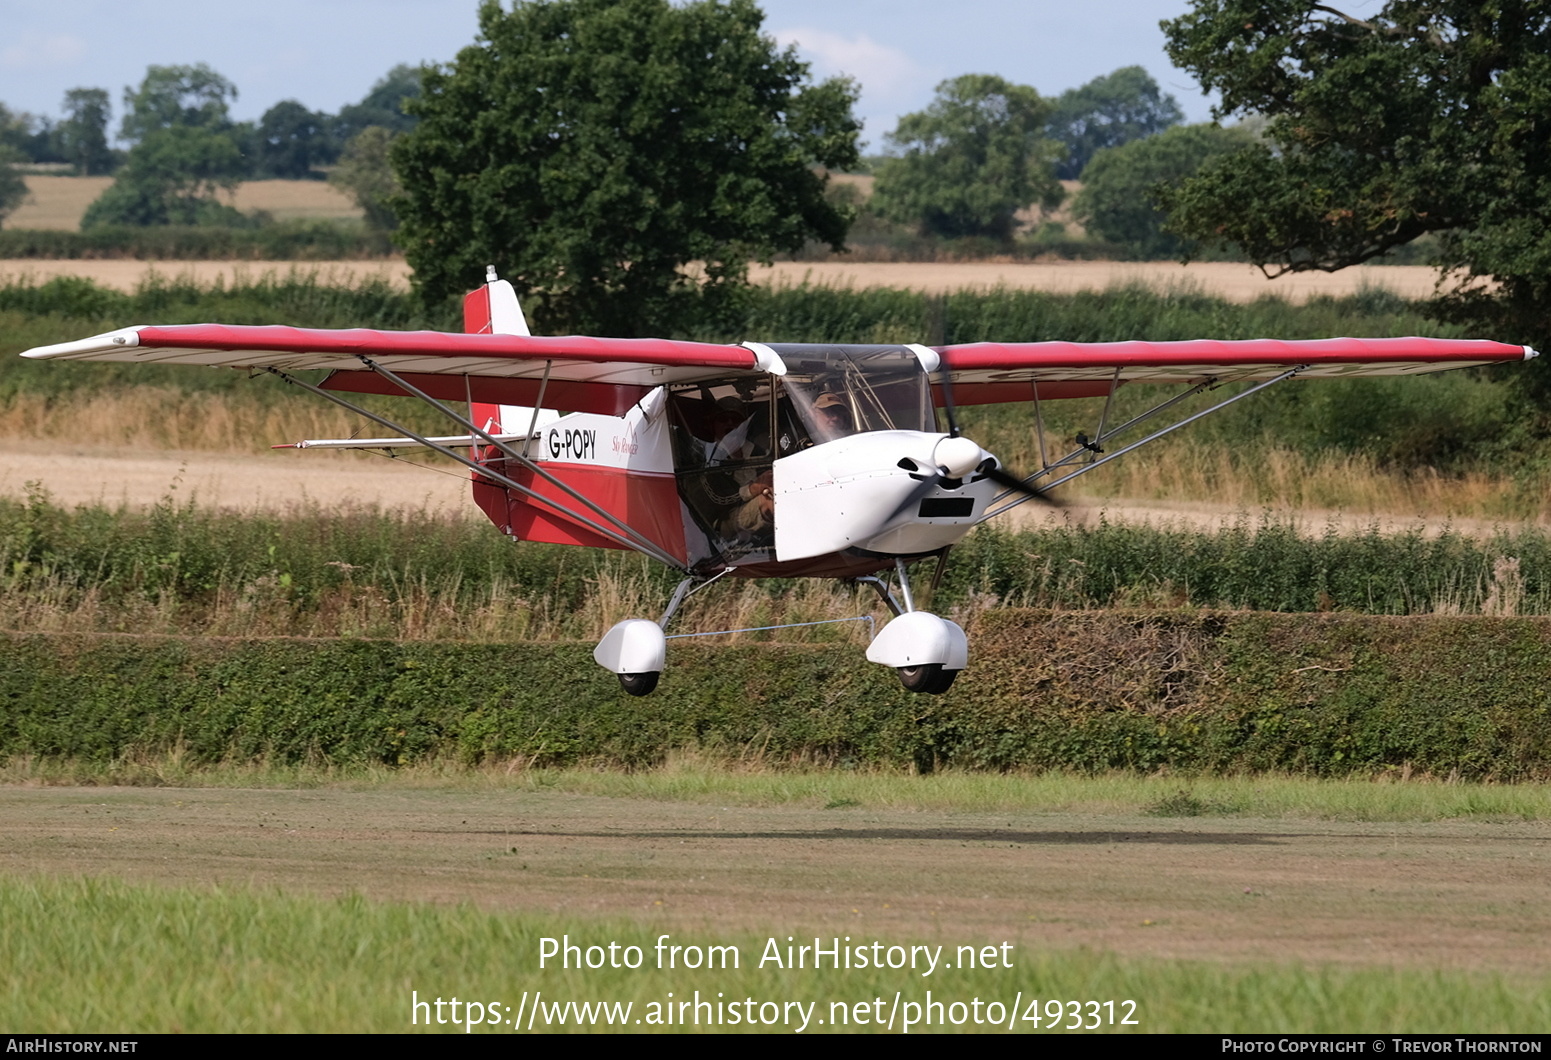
[[492, 309]]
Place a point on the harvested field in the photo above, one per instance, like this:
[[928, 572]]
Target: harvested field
[[57, 202], [60, 202], [1235, 282], [1239, 283], [295, 200]]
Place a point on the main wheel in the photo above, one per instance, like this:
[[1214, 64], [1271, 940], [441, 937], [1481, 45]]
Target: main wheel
[[640, 684], [928, 678], [923, 678]]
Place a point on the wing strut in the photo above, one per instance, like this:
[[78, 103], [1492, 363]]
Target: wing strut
[[1088, 448], [643, 546]]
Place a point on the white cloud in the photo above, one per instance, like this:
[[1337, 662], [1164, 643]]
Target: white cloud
[[36, 51], [886, 74]]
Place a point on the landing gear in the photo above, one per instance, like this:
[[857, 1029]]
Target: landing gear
[[636, 649], [926, 650], [928, 678], [640, 684]]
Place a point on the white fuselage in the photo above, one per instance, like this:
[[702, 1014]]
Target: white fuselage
[[855, 493]]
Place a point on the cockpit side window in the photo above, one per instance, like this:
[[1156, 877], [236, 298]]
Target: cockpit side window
[[723, 451]]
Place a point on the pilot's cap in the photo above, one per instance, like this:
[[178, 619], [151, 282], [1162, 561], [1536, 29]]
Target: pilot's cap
[[829, 401]]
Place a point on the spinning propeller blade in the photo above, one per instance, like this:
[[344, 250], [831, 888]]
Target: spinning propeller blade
[[1007, 480], [995, 473]]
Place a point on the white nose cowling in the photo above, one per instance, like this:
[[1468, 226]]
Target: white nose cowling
[[957, 456]]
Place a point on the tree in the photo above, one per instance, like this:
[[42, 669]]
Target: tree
[[593, 149], [13, 188], [171, 177], [15, 129], [383, 106], [1109, 111], [171, 96], [1429, 116], [185, 151], [32, 138], [83, 135], [1118, 201], [366, 175], [291, 140], [970, 161]]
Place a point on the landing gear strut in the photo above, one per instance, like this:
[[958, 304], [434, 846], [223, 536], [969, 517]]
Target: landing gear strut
[[636, 648]]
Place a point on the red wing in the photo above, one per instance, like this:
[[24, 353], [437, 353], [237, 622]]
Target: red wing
[[599, 374], [576, 373], [631, 362], [985, 372]]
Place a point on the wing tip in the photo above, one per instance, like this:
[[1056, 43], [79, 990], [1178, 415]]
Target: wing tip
[[1530, 353], [123, 338]]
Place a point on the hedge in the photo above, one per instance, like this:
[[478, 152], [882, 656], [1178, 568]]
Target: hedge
[[1324, 695]]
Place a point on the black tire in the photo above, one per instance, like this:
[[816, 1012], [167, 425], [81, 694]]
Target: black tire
[[944, 682], [640, 684], [923, 678]]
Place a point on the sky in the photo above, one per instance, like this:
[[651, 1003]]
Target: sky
[[327, 53]]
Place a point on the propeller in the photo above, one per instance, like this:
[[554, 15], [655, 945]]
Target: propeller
[[956, 458], [986, 464], [1012, 482]]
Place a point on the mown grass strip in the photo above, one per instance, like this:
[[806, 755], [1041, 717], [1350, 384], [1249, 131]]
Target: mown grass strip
[[728, 779], [103, 956]]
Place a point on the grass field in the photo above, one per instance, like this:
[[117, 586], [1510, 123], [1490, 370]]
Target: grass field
[[1258, 905], [144, 894]]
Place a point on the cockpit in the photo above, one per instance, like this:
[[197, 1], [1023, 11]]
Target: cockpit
[[727, 436]]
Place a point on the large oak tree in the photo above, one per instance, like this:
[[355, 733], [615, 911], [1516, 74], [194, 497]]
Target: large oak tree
[[969, 162], [593, 149], [1429, 116]]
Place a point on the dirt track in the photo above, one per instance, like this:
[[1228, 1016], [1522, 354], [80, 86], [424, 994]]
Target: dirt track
[[1443, 895], [268, 481]]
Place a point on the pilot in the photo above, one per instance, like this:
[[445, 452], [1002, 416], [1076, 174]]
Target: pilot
[[742, 491], [832, 419]]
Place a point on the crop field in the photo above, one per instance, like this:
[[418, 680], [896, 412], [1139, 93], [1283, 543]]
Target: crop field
[[59, 202], [1267, 905]]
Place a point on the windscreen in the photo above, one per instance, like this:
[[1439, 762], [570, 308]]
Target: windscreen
[[841, 390]]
